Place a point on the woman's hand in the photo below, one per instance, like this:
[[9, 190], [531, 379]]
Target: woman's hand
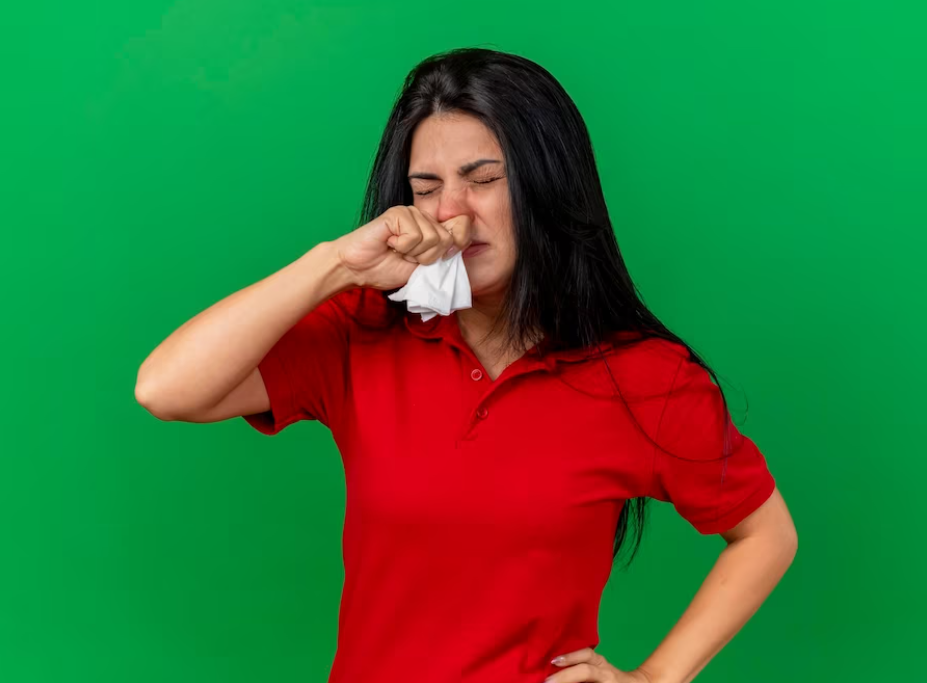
[[383, 253], [588, 666]]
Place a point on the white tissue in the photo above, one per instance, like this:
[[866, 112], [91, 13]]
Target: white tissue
[[441, 287]]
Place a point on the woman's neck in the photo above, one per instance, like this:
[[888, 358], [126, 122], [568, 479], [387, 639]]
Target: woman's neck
[[476, 327]]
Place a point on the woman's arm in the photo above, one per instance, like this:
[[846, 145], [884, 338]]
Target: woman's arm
[[216, 351], [759, 551]]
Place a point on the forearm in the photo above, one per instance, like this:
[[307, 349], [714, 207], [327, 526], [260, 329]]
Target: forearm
[[212, 353], [745, 573]]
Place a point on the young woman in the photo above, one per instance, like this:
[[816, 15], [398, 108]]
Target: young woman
[[496, 459]]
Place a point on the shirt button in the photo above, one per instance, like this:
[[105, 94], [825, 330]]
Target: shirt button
[[482, 413], [476, 375]]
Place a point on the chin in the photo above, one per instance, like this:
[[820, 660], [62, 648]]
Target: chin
[[482, 287], [486, 277]]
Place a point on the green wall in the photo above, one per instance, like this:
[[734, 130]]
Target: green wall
[[764, 166]]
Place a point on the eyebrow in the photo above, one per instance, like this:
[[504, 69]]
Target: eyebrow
[[462, 171]]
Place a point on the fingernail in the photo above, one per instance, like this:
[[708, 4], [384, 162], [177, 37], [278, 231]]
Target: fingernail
[[557, 660], [450, 252]]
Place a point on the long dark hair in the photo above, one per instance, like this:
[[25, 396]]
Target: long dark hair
[[570, 280]]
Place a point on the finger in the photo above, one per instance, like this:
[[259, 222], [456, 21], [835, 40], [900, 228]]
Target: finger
[[462, 232], [587, 654], [458, 227], [432, 230], [445, 230], [579, 673], [435, 239], [406, 232]]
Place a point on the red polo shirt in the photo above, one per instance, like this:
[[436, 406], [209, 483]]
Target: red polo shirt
[[480, 515]]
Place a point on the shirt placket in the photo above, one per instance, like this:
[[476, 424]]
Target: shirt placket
[[479, 391]]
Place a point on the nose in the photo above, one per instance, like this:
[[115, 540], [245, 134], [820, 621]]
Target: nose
[[451, 203]]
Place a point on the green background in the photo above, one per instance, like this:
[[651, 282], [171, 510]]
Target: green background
[[764, 168]]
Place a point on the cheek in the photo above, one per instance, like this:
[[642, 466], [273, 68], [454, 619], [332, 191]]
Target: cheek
[[497, 214]]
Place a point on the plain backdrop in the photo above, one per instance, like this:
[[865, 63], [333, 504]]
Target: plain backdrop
[[764, 169]]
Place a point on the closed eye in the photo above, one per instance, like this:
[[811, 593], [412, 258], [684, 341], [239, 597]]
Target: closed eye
[[478, 182]]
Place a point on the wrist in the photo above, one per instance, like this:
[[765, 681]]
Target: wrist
[[649, 674], [350, 275], [325, 259]]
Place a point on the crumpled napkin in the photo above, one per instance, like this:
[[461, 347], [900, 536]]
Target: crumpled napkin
[[441, 288]]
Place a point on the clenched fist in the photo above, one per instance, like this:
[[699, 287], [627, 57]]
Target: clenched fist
[[383, 253]]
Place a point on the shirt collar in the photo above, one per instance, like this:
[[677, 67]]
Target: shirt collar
[[445, 327]]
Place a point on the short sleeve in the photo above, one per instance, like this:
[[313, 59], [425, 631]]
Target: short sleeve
[[305, 372], [712, 492]]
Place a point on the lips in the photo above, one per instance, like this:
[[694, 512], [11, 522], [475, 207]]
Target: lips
[[475, 248]]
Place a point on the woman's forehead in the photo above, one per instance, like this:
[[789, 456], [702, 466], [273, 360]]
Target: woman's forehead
[[452, 142]]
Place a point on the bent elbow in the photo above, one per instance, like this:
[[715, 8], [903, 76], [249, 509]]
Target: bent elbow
[[792, 541], [148, 397], [787, 544]]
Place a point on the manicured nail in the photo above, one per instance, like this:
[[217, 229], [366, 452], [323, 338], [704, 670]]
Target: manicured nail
[[557, 660], [450, 252]]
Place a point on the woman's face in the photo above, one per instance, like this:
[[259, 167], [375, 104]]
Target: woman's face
[[456, 167]]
